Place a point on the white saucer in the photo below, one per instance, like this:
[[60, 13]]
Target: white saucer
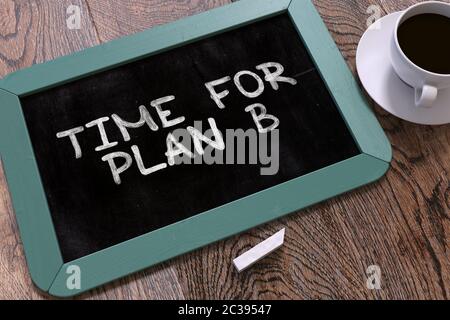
[[383, 84]]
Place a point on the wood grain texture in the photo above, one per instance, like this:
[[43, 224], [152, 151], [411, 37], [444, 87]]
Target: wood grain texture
[[30, 32], [114, 19], [401, 223], [36, 31]]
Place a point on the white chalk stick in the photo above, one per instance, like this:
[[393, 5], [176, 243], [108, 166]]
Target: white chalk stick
[[259, 251]]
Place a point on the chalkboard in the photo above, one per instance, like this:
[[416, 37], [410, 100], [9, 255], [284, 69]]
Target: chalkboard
[[130, 153], [91, 212]]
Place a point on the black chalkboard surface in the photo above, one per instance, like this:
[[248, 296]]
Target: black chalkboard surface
[[91, 211]]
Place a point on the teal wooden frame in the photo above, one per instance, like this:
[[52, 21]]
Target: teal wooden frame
[[45, 263]]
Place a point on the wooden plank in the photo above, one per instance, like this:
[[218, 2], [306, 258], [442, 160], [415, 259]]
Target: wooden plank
[[116, 18], [30, 32], [15, 282], [413, 201], [259, 251], [400, 224]]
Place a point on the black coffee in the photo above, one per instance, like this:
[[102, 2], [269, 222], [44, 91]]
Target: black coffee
[[425, 39]]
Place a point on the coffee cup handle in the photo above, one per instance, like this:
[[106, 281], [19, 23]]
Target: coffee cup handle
[[426, 96]]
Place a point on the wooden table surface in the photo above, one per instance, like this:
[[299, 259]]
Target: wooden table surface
[[401, 223]]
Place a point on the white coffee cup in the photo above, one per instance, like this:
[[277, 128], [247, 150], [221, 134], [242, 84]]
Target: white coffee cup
[[426, 84]]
